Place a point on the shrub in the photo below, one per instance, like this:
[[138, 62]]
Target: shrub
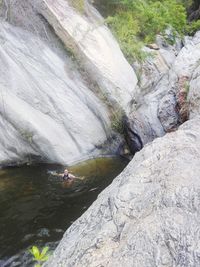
[[126, 29], [193, 27], [117, 123], [137, 22]]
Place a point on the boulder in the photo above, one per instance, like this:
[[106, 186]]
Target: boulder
[[149, 215]]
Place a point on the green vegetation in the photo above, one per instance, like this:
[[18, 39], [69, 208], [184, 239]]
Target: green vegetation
[[187, 3], [38, 256], [186, 89], [79, 5], [126, 29], [137, 22], [193, 27], [117, 123]]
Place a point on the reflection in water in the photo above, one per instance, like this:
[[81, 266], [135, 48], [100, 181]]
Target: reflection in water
[[36, 207]]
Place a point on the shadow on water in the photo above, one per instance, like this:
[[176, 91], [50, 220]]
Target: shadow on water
[[36, 207]]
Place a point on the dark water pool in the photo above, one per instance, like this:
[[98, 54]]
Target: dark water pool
[[36, 207]]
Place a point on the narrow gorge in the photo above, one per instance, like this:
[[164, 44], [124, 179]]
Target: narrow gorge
[[68, 94]]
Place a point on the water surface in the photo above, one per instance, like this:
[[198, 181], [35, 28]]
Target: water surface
[[36, 207]]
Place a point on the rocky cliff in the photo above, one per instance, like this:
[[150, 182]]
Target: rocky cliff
[[53, 109], [149, 215], [56, 110], [161, 103], [44, 104]]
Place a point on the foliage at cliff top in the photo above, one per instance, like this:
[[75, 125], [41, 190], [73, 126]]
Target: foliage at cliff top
[[137, 22]]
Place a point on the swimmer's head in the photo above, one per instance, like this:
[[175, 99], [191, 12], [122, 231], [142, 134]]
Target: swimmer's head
[[66, 171]]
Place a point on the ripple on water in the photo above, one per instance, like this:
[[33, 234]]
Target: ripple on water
[[36, 207]]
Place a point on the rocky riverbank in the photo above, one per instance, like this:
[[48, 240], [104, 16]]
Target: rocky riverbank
[[62, 77], [149, 215]]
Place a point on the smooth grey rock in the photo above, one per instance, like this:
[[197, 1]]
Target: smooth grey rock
[[188, 58], [144, 120], [154, 97], [194, 94], [149, 216], [35, 79], [152, 70], [23, 14], [84, 35], [156, 112], [164, 44], [157, 64], [167, 112], [46, 108], [94, 46]]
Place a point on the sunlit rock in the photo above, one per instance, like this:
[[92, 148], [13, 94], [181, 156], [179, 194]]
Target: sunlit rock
[[46, 110]]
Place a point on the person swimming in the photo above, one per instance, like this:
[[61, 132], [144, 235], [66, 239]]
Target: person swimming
[[67, 176]]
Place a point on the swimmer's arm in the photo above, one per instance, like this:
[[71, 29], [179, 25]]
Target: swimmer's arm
[[71, 176], [57, 174]]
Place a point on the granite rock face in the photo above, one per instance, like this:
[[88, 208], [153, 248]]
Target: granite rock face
[[194, 93], [149, 215], [46, 100], [161, 99], [44, 104], [94, 46], [85, 36]]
